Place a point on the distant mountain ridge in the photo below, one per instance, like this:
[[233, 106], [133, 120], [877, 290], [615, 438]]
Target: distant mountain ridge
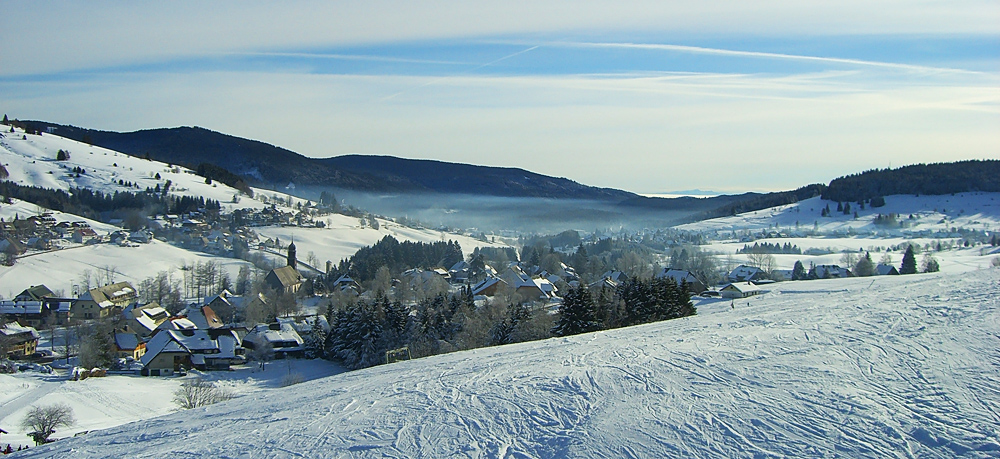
[[268, 166]]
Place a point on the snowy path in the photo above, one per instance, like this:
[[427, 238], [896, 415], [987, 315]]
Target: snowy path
[[904, 368]]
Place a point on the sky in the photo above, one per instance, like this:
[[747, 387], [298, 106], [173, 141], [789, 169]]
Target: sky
[[645, 96]]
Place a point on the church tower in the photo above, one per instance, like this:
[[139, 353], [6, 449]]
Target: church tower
[[291, 255]]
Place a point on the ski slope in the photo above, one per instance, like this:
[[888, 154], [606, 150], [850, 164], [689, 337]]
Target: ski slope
[[902, 366]]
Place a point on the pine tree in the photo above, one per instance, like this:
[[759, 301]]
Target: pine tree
[[909, 265], [577, 313], [864, 267], [799, 271]]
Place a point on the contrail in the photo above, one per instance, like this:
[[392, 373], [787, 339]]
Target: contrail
[[758, 54], [436, 80]]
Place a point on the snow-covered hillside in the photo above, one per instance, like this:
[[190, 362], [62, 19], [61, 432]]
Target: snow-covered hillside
[[33, 162], [974, 211], [892, 367]]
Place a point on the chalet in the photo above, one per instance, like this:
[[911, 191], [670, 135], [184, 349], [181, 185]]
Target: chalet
[[17, 341], [744, 273], [886, 270], [679, 275], [128, 345], [281, 335], [285, 279], [739, 290], [169, 351], [99, 302], [488, 287]]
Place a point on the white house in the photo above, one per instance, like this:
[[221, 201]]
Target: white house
[[739, 290]]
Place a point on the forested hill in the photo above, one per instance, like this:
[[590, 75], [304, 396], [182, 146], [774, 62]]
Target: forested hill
[[268, 166], [930, 179]]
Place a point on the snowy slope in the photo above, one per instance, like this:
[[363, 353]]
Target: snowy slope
[[978, 211], [32, 162], [892, 367]]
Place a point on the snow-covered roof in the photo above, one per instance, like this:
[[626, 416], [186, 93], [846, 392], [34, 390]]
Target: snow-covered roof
[[742, 287], [285, 333], [126, 340], [13, 328], [20, 307]]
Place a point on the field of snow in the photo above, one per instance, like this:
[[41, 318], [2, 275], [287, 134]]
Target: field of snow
[[892, 367], [99, 403]]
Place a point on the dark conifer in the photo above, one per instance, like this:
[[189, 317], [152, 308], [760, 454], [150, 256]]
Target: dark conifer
[[909, 265]]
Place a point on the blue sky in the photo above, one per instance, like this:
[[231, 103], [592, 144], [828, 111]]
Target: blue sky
[[644, 96]]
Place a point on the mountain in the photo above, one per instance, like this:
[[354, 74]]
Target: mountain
[[274, 167]]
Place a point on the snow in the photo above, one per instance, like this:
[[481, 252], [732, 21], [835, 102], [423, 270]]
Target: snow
[[885, 367], [30, 162]]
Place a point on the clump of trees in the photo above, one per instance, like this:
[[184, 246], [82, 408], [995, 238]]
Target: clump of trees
[[398, 257]]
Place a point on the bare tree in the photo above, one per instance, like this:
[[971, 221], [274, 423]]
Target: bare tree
[[41, 421], [198, 392], [262, 352]]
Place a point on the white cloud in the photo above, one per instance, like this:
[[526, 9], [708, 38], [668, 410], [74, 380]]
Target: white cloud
[[44, 37]]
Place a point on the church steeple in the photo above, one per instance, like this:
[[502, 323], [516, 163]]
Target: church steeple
[[291, 254]]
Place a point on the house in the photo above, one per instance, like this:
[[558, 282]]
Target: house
[[683, 276], [281, 335], [460, 271], [12, 246], [488, 287], [128, 345], [886, 270], [34, 293], [829, 272], [144, 320], [285, 279], [782, 275], [143, 236], [17, 341], [346, 284], [203, 317], [739, 290], [99, 302], [169, 351], [744, 273], [229, 307], [28, 313], [617, 277], [536, 289]]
